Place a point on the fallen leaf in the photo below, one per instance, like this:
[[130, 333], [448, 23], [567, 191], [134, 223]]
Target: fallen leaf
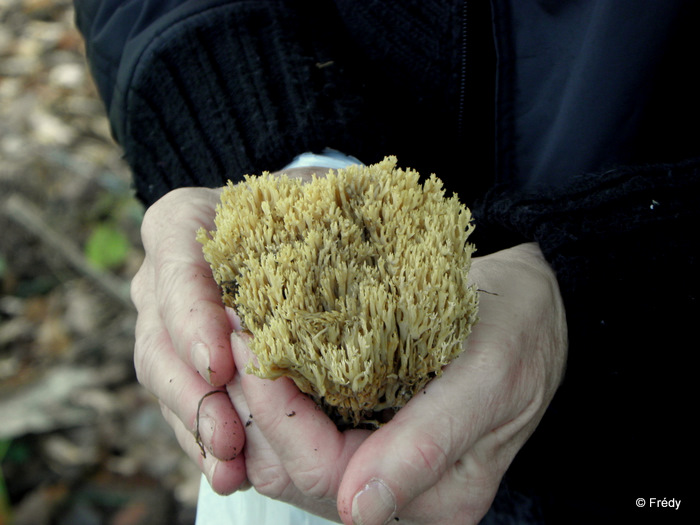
[[107, 247]]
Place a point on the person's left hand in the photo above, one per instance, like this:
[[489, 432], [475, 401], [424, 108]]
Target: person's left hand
[[441, 458]]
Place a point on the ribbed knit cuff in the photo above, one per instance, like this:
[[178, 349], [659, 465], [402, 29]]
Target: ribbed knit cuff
[[609, 226], [235, 89], [623, 246]]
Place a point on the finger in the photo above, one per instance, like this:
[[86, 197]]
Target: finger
[[419, 447], [263, 467], [309, 446], [225, 477], [465, 492], [188, 298], [462, 495], [184, 391]]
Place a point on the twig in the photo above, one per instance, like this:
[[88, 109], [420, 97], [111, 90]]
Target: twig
[[29, 216]]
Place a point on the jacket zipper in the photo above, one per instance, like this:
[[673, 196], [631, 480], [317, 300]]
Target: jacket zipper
[[463, 74]]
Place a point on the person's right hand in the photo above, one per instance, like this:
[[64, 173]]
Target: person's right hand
[[182, 352], [441, 458]]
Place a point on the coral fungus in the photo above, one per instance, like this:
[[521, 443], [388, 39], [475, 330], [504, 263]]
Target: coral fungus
[[354, 285]]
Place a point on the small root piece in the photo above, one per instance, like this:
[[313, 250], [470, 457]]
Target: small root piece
[[197, 435]]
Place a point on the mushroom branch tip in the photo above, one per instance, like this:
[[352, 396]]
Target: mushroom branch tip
[[354, 285]]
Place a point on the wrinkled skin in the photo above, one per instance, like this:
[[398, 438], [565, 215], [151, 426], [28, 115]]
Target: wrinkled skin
[[182, 350], [442, 456]]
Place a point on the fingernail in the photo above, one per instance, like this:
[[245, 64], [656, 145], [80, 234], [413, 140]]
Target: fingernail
[[374, 504], [206, 426], [211, 471], [200, 359], [233, 318], [241, 344]]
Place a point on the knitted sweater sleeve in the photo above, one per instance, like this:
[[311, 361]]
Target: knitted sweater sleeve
[[202, 92], [623, 245]]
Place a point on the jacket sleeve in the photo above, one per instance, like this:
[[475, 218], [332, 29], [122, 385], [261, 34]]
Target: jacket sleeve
[[199, 92], [114, 33], [623, 244], [624, 236]]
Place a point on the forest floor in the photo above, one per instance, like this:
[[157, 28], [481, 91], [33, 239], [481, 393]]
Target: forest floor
[[81, 443]]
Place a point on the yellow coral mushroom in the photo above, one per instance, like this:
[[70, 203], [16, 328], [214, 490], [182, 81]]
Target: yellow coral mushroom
[[354, 285]]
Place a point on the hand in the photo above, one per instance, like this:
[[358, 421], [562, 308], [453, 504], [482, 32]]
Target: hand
[[293, 452], [182, 351], [441, 458]]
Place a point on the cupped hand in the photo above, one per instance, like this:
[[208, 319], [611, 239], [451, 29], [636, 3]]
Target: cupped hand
[[182, 352], [441, 458]]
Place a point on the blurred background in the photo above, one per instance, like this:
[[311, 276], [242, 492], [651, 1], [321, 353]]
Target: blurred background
[[81, 443]]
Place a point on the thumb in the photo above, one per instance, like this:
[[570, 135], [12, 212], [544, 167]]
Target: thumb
[[404, 460], [399, 462], [435, 450]]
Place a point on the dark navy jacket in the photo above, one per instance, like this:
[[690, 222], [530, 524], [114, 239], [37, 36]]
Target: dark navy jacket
[[572, 123], [580, 85]]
